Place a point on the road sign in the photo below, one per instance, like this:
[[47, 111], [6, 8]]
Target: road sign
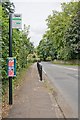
[[11, 67], [17, 21]]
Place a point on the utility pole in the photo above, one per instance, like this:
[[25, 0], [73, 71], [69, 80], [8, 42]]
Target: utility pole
[[15, 21], [10, 55]]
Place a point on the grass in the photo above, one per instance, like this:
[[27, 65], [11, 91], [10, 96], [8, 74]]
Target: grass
[[48, 86]]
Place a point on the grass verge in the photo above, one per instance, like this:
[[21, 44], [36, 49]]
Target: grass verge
[[48, 85], [70, 63]]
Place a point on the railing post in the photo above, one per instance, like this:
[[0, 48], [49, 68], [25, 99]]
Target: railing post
[[39, 66], [41, 72]]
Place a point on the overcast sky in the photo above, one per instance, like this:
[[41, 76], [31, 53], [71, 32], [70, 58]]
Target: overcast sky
[[34, 13]]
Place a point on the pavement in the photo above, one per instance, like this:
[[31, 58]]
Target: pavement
[[33, 99]]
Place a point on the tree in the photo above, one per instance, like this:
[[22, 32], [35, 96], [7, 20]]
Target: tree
[[71, 37], [6, 8], [58, 24], [21, 45]]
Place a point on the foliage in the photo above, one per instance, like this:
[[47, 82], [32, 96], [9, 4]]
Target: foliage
[[0, 38], [71, 38], [61, 40], [21, 45]]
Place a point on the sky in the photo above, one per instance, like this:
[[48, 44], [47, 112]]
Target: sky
[[34, 13]]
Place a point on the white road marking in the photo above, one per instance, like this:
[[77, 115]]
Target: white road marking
[[71, 68], [44, 71], [77, 75], [66, 68]]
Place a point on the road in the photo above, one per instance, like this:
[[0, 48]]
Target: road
[[65, 78]]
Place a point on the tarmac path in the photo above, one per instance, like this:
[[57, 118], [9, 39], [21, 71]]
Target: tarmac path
[[32, 100]]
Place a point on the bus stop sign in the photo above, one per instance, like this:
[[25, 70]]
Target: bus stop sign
[[17, 21]]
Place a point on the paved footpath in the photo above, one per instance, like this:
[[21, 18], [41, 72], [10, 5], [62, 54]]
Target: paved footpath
[[32, 100]]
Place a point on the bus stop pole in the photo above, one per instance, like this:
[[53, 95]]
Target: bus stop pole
[[10, 55]]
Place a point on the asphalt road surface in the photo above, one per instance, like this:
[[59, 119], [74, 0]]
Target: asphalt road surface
[[65, 78]]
